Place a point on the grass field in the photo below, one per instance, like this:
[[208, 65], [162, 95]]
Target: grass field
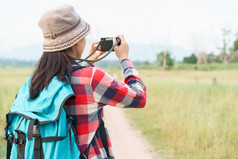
[[10, 82], [186, 116]]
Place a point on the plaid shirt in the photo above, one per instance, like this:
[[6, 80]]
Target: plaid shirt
[[94, 89]]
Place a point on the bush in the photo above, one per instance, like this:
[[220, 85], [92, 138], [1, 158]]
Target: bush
[[191, 59]]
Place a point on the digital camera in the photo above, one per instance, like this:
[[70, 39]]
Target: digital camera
[[107, 43]]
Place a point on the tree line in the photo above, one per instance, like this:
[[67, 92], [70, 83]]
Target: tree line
[[226, 55]]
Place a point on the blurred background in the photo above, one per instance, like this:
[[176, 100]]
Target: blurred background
[[185, 50], [182, 27]]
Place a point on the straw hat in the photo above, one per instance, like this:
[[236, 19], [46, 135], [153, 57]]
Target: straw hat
[[62, 28]]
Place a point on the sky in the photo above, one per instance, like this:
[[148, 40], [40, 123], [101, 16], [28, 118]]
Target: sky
[[190, 24]]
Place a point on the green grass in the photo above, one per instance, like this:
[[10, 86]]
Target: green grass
[[203, 67], [188, 117], [208, 67]]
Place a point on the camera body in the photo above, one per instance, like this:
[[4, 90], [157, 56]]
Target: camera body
[[107, 43]]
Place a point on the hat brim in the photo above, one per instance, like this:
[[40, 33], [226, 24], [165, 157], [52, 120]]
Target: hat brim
[[68, 39]]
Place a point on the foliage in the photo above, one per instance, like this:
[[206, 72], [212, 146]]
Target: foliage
[[235, 58], [208, 67], [235, 45], [146, 63], [169, 60], [211, 58], [191, 59]]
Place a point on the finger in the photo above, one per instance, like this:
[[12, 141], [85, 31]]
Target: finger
[[121, 36], [99, 48], [102, 53], [92, 48], [93, 43], [96, 47], [96, 42], [114, 41]]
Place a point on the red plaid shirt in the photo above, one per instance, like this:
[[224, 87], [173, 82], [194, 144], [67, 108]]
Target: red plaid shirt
[[94, 89]]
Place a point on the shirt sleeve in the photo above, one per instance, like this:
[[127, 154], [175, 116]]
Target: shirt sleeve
[[108, 91]]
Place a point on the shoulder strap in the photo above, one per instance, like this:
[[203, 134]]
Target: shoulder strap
[[103, 136], [8, 137], [77, 67]]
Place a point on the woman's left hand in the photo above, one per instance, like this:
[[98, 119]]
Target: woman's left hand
[[96, 54]]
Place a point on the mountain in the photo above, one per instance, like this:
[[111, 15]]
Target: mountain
[[138, 52]]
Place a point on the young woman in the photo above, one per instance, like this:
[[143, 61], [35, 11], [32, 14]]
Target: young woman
[[64, 40]]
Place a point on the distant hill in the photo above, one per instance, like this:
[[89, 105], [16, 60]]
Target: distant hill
[[17, 62], [138, 52]]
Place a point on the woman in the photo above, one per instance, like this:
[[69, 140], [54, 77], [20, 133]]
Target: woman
[[64, 40]]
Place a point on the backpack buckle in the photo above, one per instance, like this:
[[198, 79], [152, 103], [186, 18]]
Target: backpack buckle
[[36, 132]]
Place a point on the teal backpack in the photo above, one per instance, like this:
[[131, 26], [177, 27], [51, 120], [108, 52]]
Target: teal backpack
[[40, 128]]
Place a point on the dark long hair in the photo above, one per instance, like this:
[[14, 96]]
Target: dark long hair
[[50, 64]]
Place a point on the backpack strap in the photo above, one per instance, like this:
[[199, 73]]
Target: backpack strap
[[77, 67], [103, 136], [33, 132], [38, 150], [9, 146], [8, 137], [20, 140]]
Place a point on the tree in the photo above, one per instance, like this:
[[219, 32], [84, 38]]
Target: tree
[[211, 58], [234, 58], [169, 60], [191, 59], [235, 45], [218, 59], [146, 63], [202, 58], [224, 55]]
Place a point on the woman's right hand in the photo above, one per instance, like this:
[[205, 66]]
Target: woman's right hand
[[96, 54], [122, 50]]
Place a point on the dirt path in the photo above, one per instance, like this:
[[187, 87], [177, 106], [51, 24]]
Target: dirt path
[[127, 143]]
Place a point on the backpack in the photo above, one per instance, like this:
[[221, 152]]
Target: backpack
[[29, 133], [40, 128]]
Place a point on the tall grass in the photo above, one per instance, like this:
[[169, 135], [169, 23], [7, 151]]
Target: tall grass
[[188, 117], [11, 79]]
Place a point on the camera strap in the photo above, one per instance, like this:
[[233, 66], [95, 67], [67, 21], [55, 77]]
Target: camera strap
[[86, 59]]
